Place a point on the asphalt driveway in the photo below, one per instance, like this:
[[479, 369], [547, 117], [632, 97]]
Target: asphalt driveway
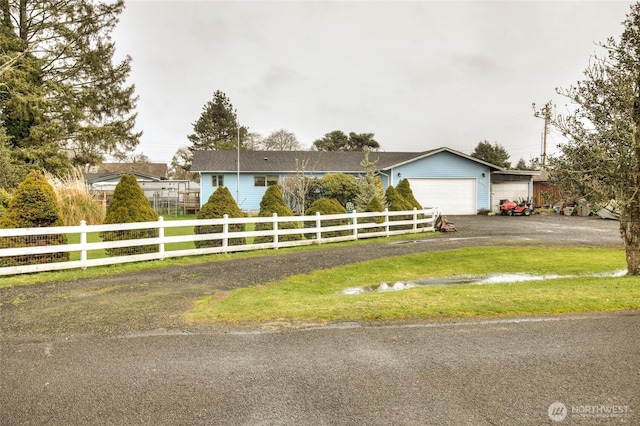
[[80, 353]]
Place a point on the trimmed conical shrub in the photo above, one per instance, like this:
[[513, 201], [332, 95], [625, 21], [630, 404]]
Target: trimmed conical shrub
[[404, 189], [273, 202], [130, 205], [34, 204], [221, 202], [326, 206], [398, 203]]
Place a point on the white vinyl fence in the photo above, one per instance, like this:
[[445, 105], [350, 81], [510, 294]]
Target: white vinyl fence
[[25, 250]]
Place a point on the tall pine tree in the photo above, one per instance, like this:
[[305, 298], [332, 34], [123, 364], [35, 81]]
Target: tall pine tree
[[68, 49]]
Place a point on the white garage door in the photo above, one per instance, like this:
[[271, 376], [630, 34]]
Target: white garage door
[[453, 196], [514, 191]]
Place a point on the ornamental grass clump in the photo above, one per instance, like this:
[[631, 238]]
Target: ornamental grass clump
[[326, 206], [221, 202], [33, 205], [273, 202], [76, 202], [129, 205]]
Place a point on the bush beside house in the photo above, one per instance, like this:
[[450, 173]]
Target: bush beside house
[[326, 206], [221, 202], [273, 202]]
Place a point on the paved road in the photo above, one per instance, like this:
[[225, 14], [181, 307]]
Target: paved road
[[475, 373]]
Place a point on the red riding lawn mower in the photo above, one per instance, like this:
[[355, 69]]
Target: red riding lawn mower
[[510, 208]]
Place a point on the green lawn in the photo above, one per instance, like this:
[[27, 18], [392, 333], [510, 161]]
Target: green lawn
[[318, 297]]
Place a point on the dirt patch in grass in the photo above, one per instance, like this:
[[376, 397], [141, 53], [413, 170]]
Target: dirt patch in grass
[[156, 299]]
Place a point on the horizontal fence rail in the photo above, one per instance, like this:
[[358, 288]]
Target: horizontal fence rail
[[28, 250]]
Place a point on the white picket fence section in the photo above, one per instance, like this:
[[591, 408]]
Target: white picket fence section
[[357, 226]]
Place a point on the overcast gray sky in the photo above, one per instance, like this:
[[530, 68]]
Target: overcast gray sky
[[418, 74]]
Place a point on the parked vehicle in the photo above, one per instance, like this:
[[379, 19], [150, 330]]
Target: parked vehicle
[[510, 208]]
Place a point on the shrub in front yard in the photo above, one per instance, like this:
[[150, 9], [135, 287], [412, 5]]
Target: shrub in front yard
[[404, 189], [221, 202], [273, 202], [326, 206], [374, 205], [340, 186], [33, 205], [398, 203], [130, 205], [5, 199]]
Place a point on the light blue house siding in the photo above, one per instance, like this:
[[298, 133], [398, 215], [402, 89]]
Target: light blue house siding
[[444, 177], [447, 165], [249, 195]]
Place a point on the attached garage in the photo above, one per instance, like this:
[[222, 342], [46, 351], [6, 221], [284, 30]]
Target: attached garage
[[454, 196]]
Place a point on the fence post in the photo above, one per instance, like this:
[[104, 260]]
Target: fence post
[[161, 236], [318, 228], [275, 231], [355, 224], [415, 219], [225, 232], [386, 221], [83, 244]]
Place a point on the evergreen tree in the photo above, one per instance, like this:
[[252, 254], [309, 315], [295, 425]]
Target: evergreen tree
[[217, 128], [370, 184], [495, 154], [130, 205], [70, 94], [32, 205], [221, 202]]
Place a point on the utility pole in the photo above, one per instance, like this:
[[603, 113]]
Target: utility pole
[[547, 117]]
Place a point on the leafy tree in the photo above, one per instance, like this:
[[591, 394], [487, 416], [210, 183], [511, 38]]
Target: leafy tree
[[64, 87], [129, 205], [281, 140], [32, 205], [221, 202], [339, 141], [217, 128], [332, 141], [340, 186], [273, 202], [494, 154], [180, 167], [362, 141], [601, 159]]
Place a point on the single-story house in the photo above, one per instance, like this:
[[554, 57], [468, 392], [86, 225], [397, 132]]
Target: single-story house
[[455, 182]]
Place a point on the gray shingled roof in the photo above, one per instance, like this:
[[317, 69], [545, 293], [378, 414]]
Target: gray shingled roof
[[316, 161]]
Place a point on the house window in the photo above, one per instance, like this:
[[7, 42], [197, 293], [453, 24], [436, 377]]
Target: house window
[[265, 180], [217, 180]]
